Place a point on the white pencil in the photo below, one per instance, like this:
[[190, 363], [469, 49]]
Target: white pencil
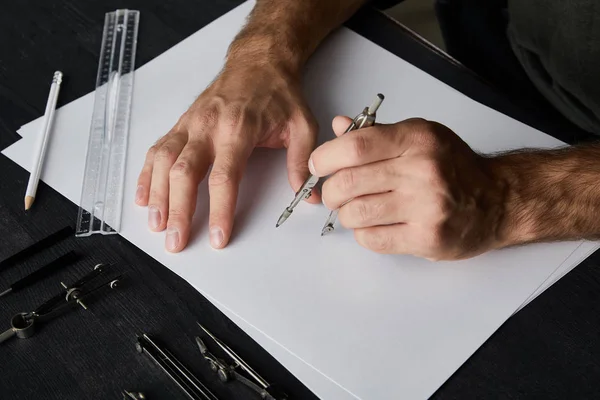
[[38, 161]]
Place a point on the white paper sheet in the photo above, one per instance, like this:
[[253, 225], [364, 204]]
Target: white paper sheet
[[584, 251], [377, 326]]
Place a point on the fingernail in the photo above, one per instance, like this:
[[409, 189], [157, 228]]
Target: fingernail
[[172, 238], [323, 199], [153, 217], [139, 194], [216, 236], [311, 166]]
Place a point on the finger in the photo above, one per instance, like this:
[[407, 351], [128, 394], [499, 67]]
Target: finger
[[185, 175], [302, 143], [359, 147], [373, 210], [158, 201], [223, 185], [143, 185], [390, 239], [378, 177], [340, 124], [144, 179]]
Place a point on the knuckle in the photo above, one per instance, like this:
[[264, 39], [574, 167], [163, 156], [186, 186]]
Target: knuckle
[[419, 123], [435, 238], [233, 120], [379, 243], [346, 180], [388, 169], [177, 215], [431, 170], [362, 211], [181, 169], [211, 114], [444, 206], [220, 177], [425, 133], [361, 145], [436, 242], [152, 152], [208, 116], [234, 115], [165, 153], [426, 140], [437, 212], [146, 172]]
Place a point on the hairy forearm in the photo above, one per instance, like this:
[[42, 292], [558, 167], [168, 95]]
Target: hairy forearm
[[550, 195], [287, 32]]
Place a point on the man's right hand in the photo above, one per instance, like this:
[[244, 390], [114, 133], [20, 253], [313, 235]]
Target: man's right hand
[[245, 107]]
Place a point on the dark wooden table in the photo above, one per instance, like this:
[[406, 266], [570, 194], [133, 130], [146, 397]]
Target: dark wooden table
[[548, 350]]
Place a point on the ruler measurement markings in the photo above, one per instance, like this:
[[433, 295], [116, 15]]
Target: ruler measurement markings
[[102, 193]]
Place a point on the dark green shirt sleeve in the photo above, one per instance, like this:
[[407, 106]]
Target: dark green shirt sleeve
[[558, 44]]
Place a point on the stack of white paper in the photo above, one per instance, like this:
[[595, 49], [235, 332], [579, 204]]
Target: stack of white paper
[[347, 322]]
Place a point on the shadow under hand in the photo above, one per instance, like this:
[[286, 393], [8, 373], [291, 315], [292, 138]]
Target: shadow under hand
[[200, 218], [261, 171]]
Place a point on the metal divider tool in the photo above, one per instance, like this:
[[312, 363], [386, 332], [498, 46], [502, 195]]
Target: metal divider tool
[[104, 174], [187, 382]]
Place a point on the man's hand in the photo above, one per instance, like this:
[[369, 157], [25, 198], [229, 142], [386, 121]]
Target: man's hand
[[244, 108], [255, 101], [415, 188]]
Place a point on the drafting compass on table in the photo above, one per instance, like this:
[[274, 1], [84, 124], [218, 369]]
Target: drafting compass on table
[[364, 119], [239, 370], [23, 324]]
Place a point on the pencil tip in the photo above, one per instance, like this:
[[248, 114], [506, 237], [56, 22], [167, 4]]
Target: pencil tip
[[283, 217], [28, 202], [327, 229]]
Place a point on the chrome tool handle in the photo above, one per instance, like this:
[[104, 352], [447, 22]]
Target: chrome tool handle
[[365, 119], [21, 325], [7, 334]]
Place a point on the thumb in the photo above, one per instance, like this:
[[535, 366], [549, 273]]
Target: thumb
[[299, 150], [340, 124]]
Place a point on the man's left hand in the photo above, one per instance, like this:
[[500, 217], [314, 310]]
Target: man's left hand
[[413, 187]]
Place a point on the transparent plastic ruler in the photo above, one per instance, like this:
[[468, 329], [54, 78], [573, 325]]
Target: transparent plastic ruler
[[104, 174]]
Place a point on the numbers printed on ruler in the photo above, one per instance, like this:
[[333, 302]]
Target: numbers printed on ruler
[[102, 192]]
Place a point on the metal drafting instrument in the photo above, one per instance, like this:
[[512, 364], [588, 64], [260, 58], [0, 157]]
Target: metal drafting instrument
[[37, 247], [227, 372], [365, 118], [23, 324], [104, 174], [41, 273], [178, 373], [127, 395], [42, 142]]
